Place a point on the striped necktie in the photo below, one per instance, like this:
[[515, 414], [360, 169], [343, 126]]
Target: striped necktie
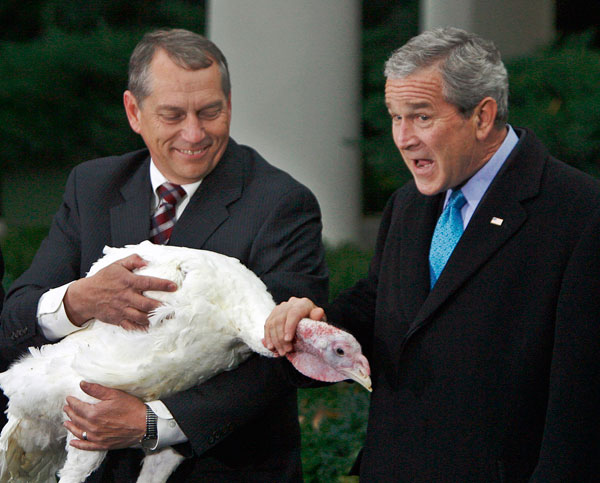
[[448, 230], [163, 220]]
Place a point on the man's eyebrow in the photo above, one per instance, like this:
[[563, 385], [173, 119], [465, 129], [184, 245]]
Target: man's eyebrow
[[413, 106], [419, 105], [167, 107], [212, 105]]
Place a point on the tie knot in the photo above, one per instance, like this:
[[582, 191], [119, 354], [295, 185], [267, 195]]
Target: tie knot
[[170, 193], [163, 220], [457, 200]]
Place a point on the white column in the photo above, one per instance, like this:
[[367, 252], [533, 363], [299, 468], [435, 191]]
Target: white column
[[517, 27], [295, 69]]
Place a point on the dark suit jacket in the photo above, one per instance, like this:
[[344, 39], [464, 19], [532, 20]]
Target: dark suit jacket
[[494, 375], [242, 425]]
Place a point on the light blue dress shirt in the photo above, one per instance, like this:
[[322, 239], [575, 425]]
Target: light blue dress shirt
[[475, 188]]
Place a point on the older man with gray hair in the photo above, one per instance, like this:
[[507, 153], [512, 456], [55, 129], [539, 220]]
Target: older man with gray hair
[[480, 313], [192, 186]]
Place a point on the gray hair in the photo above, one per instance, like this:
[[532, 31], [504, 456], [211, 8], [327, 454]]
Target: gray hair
[[187, 49], [470, 66]]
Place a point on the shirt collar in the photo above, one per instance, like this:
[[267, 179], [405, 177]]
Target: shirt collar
[[157, 178], [477, 185]]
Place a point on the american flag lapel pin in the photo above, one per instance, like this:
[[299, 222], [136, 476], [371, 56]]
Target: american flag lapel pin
[[496, 221]]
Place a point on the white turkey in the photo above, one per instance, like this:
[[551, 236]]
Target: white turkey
[[212, 323]]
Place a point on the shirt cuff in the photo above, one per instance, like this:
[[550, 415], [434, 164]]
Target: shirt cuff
[[52, 316], [169, 432]]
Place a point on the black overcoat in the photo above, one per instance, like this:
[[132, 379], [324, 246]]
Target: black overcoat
[[494, 375]]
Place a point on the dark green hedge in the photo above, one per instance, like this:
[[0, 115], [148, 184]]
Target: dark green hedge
[[61, 87]]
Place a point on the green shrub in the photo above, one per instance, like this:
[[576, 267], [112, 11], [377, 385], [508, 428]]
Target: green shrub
[[61, 91], [383, 168], [556, 93], [18, 248], [347, 264], [333, 421]]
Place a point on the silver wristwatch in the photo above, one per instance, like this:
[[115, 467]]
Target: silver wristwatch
[[149, 439]]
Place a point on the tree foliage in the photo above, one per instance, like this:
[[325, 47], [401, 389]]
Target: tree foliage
[[60, 97], [383, 168], [61, 89], [556, 93]]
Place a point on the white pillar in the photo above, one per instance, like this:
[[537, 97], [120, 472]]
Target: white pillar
[[295, 70], [517, 27]]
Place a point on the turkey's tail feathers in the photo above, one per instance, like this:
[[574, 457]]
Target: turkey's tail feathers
[[159, 465], [21, 461]]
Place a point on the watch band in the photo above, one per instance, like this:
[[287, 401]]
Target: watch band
[[149, 439]]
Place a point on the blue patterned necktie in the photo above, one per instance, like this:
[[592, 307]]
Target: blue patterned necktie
[[448, 230]]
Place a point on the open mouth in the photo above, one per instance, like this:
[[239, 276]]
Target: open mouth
[[422, 163]]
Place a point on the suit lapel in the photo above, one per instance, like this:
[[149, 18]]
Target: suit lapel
[[207, 209], [481, 240], [518, 180], [130, 220], [416, 227]]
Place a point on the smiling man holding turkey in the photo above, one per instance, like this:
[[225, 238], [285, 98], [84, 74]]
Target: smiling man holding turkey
[[480, 314], [195, 187]]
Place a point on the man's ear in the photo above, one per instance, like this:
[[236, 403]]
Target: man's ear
[[485, 115], [132, 110]]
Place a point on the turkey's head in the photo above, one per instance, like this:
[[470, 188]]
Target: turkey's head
[[326, 353]]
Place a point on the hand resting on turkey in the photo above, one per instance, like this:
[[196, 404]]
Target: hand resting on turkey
[[212, 323]]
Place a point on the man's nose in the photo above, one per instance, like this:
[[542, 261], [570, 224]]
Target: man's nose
[[193, 130], [404, 135]]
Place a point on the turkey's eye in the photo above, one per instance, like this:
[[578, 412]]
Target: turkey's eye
[[339, 351]]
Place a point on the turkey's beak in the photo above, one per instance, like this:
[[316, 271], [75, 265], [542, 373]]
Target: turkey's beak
[[358, 376], [360, 373]]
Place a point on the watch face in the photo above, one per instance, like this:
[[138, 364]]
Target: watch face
[[148, 443]]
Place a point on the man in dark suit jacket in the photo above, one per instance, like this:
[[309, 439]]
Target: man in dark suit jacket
[[490, 372], [241, 425]]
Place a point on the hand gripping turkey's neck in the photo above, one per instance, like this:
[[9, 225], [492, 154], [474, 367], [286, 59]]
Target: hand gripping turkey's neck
[[328, 354]]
